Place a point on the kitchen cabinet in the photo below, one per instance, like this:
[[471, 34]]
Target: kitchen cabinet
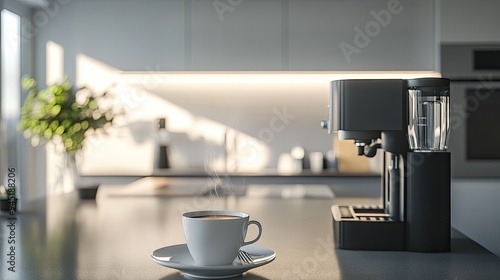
[[362, 35], [235, 35], [470, 21], [125, 35], [238, 35], [312, 35]]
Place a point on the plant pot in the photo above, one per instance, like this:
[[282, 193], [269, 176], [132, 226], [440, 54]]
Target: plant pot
[[5, 205], [88, 192]]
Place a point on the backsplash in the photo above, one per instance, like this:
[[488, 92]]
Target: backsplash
[[228, 126]]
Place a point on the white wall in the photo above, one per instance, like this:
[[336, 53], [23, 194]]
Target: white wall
[[110, 36], [150, 36], [155, 35], [256, 123]]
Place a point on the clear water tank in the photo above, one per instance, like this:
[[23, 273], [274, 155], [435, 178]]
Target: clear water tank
[[429, 114]]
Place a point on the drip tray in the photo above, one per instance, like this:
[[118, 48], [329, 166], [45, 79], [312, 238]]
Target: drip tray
[[362, 213], [366, 227]]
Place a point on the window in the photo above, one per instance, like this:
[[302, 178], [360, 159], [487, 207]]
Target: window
[[10, 90]]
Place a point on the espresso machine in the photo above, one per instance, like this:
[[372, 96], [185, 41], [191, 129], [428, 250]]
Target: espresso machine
[[408, 121]]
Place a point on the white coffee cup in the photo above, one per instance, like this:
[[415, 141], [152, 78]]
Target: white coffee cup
[[214, 237], [316, 162]]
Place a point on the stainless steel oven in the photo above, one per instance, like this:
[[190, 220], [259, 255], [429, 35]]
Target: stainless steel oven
[[474, 71]]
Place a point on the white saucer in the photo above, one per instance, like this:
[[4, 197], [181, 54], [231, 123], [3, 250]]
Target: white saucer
[[178, 257]]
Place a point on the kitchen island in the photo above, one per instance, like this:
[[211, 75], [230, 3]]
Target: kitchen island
[[114, 236]]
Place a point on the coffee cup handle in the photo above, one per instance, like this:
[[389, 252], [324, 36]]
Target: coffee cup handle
[[258, 236]]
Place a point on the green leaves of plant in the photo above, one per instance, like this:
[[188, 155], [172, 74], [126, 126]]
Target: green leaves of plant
[[77, 127], [93, 104], [28, 83], [59, 130], [47, 133], [55, 110], [53, 113]]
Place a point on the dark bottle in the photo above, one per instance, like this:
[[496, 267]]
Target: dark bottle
[[162, 145]]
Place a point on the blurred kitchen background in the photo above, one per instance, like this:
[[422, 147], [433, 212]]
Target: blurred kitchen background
[[240, 83]]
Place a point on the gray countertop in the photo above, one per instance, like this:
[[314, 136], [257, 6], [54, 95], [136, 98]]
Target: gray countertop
[[114, 236]]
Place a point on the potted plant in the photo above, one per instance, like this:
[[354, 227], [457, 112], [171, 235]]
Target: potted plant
[[64, 115], [8, 199]]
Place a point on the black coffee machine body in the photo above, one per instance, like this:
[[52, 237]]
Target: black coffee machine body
[[408, 121]]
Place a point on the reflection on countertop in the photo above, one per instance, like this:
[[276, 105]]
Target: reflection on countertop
[[353, 186], [201, 172], [175, 187]]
